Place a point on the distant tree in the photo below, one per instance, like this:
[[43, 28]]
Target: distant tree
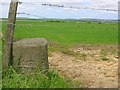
[[99, 22], [89, 22]]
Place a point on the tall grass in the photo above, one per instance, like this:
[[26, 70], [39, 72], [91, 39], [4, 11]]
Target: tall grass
[[12, 79]]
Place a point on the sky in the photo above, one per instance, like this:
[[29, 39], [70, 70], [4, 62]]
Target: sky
[[34, 7]]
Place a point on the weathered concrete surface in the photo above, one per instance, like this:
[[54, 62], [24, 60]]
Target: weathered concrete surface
[[30, 55]]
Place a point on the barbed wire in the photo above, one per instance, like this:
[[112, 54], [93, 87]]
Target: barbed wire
[[70, 7], [58, 6], [48, 20], [55, 5], [62, 6], [28, 14]]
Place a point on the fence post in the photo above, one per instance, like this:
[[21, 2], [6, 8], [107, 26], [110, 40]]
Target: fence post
[[7, 50]]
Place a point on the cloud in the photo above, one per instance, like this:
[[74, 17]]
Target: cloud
[[113, 4]]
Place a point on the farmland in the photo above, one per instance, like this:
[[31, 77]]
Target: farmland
[[68, 33], [76, 49]]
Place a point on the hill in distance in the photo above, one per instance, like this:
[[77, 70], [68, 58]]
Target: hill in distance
[[68, 19]]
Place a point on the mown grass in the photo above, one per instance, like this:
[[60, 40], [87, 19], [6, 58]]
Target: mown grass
[[12, 79]]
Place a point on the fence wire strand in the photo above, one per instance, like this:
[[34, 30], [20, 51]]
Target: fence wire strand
[[71, 7], [62, 6]]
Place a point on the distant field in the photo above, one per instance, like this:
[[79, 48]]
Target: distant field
[[68, 33]]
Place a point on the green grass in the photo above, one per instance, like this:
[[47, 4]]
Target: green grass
[[60, 35], [68, 33], [0, 64], [12, 79]]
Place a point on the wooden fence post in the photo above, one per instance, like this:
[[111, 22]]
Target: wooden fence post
[[7, 51]]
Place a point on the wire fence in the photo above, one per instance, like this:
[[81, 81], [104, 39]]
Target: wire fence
[[70, 7], [61, 6], [40, 4]]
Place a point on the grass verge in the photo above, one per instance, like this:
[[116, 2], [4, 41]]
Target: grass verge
[[12, 79]]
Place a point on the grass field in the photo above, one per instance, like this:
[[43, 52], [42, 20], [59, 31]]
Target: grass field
[[68, 33], [62, 34]]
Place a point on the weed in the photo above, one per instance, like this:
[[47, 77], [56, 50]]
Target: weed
[[104, 58]]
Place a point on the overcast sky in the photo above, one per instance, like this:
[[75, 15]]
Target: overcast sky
[[33, 7]]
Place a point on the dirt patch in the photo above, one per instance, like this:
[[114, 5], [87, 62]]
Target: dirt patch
[[94, 67]]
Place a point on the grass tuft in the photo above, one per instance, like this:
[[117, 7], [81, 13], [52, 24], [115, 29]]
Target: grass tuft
[[12, 79]]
